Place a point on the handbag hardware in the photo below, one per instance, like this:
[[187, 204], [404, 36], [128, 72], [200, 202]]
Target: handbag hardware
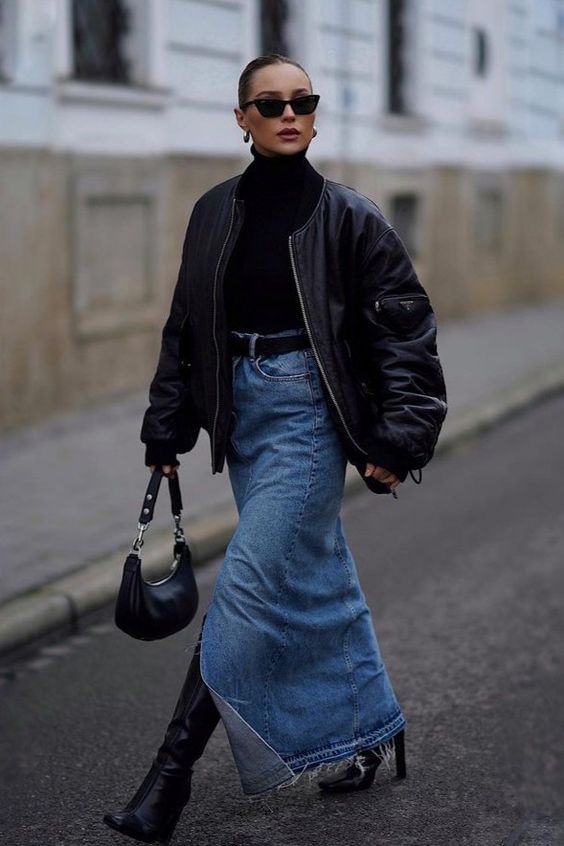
[[148, 509], [153, 610]]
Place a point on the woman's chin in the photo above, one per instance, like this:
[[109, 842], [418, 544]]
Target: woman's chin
[[285, 147]]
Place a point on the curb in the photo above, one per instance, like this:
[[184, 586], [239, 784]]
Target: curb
[[57, 608]]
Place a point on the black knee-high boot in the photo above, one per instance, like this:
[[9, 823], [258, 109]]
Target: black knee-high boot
[[153, 811]]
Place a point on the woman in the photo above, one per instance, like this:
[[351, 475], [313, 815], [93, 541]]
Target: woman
[[300, 338]]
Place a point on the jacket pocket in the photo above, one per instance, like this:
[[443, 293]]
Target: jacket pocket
[[359, 379], [402, 312]]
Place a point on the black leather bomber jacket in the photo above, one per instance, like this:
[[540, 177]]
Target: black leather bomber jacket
[[369, 320]]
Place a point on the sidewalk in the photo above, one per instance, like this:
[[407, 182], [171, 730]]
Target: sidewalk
[[72, 487]]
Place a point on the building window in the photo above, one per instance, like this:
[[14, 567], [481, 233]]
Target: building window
[[400, 56], [274, 15], [100, 29], [7, 39], [114, 288], [405, 215], [481, 51]]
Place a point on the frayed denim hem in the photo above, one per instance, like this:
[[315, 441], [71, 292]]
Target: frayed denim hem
[[296, 762], [336, 759]]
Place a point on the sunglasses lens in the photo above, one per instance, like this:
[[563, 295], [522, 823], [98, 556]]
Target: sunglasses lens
[[304, 105], [270, 108]]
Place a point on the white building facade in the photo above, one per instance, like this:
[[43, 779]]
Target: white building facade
[[115, 115]]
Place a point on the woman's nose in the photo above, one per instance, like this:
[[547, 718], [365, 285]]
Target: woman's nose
[[287, 113]]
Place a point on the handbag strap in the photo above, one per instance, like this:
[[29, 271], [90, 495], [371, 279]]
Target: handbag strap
[[150, 498], [175, 495], [148, 507]]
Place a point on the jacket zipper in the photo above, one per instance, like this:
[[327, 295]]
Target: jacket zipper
[[335, 403], [214, 424]]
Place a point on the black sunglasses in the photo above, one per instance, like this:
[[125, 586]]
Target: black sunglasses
[[304, 105]]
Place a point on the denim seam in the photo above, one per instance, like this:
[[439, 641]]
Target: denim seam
[[235, 446], [313, 465], [236, 360], [348, 660], [249, 480], [247, 461]]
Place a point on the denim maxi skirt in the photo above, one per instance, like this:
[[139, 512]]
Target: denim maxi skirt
[[288, 648]]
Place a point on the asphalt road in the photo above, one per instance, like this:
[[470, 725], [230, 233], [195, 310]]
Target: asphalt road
[[464, 576]]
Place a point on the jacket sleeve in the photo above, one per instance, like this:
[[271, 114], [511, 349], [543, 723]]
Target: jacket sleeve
[[398, 340], [159, 430]]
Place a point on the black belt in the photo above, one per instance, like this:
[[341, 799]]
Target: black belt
[[266, 346]]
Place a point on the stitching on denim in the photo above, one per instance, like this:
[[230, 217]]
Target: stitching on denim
[[348, 661], [249, 467], [312, 472], [318, 751], [249, 480], [291, 377], [371, 739], [354, 758], [236, 447], [237, 450]]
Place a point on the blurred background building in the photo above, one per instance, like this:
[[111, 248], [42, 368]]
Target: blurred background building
[[115, 115]]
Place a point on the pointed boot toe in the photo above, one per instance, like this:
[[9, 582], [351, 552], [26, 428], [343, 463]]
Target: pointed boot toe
[[153, 812], [133, 826], [350, 779], [128, 824]]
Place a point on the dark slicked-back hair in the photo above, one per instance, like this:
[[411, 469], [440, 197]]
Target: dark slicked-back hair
[[262, 62]]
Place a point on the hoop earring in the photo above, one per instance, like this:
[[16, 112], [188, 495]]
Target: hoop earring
[[314, 132], [246, 136]]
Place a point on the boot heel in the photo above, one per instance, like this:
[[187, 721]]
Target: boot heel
[[399, 747], [360, 774]]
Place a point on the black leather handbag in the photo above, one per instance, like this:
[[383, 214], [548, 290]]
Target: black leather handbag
[[153, 610]]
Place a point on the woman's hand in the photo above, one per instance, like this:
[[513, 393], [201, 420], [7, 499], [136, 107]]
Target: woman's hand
[[382, 475], [168, 469]]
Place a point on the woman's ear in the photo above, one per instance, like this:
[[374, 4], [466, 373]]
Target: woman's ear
[[239, 117]]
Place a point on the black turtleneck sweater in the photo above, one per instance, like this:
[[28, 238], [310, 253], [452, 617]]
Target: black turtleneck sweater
[[259, 288]]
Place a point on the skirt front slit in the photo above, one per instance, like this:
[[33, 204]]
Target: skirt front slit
[[288, 649]]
